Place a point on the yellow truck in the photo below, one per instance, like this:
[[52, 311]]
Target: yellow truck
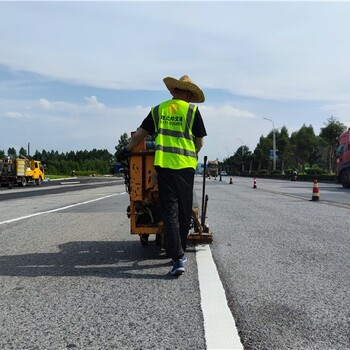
[[20, 171], [213, 168]]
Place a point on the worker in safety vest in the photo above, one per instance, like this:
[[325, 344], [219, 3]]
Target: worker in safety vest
[[179, 130]]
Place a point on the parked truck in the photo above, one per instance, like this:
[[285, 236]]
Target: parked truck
[[213, 168], [20, 171], [343, 159]]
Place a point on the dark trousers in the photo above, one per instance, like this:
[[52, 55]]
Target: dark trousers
[[176, 196]]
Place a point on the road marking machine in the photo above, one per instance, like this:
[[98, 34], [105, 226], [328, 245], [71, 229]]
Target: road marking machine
[[144, 210]]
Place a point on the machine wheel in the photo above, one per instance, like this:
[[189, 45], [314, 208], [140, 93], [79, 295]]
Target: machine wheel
[[345, 179], [23, 182], [144, 239], [38, 181]]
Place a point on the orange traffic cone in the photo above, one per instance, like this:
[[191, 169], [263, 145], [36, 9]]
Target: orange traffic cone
[[230, 180], [315, 192], [254, 183]]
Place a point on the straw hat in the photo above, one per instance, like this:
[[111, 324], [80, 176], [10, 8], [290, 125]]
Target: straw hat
[[185, 83]]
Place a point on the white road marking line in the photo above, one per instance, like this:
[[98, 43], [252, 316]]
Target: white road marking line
[[58, 209], [219, 324], [70, 183]]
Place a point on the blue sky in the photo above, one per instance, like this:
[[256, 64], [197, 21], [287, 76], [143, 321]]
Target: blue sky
[[76, 75]]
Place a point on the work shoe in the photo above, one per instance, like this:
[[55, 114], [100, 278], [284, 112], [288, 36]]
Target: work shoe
[[184, 260], [178, 268]]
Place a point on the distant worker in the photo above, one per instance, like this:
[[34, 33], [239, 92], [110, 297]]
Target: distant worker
[[179, 130]]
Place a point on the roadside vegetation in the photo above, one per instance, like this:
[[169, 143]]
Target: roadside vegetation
[[82, 163], [302, 150]]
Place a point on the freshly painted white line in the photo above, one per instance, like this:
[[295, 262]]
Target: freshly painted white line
[[58, 209], [219, 324]]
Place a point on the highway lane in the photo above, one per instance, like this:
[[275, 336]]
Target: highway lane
[[284, 262], [76, 278], [58, 186], [333, 193]]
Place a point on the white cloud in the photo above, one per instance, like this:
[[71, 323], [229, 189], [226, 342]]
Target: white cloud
[[73, 126], [56, 106], [339, 108], [225, 113], [227, 128], [341, 111], [45, 103], [271, 52], [70, 126], [291, 50], [14, 115], [94, 103]]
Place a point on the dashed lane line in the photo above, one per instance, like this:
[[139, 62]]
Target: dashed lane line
[[58, 209]]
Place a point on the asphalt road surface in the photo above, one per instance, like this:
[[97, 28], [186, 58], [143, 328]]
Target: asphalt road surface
[[284, 261], [72, 276]]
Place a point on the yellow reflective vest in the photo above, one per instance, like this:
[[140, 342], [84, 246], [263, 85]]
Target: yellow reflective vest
[[175, 146]]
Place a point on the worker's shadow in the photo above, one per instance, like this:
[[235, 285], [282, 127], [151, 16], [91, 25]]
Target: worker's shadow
[[110, 259]]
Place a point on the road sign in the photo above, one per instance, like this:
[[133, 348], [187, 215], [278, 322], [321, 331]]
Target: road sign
[[271, 154]]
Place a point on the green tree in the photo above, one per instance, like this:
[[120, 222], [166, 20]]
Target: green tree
[[123, 141], [236, 164], [243, 157], [283, 147], [37, 155], [249, 158], [228, 165], [261, 152], [330, 134], [23, 152], [305, 146], [11, 152], [83, 162]]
